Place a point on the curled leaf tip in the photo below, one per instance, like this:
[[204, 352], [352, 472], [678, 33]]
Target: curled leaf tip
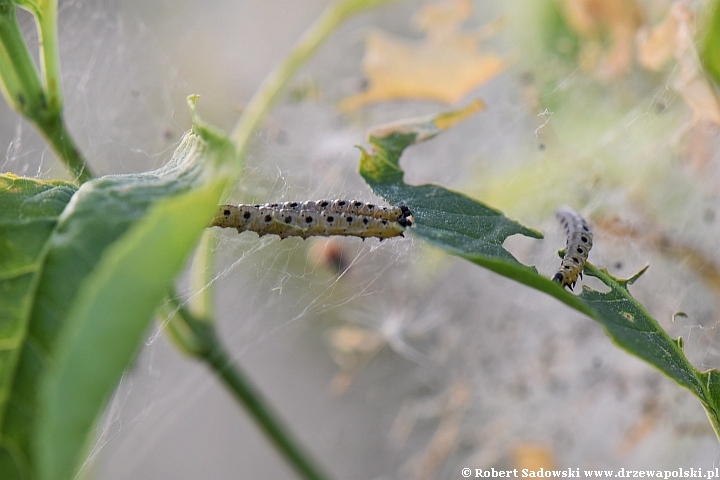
[[192, 101], [192, 105]]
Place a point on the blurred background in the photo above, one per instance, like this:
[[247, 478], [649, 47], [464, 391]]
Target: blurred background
[[393, 360]]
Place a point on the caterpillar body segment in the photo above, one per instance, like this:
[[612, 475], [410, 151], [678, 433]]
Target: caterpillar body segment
[[577, 247], [316, 218]]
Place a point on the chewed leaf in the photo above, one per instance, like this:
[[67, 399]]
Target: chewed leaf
[[631, 326], [469, 229], [445, 66], [390, 139], [621, 282], [445, 218]]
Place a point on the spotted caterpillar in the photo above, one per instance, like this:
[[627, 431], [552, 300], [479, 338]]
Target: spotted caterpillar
[[316, 218], [577, 248]]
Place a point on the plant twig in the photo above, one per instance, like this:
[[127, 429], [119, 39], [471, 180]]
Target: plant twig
[[241, 387], [55, 132], [194, 332], [22, 87], [46, 17], [197, 337], [20, 79], [275, 82]]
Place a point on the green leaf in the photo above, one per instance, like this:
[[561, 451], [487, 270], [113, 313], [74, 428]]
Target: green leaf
[[467, 228], [108, 319], [448, 219], [29, 210], [109, 261], [710, 50], [632, 327]]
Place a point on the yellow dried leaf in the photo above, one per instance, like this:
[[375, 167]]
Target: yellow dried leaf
[[347, 340], [428, 126], [445, 66], [533, 457], [655, 46], [448, 119]]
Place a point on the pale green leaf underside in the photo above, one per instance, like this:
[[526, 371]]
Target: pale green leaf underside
[[109, 261], [108, 319], [29, 210]]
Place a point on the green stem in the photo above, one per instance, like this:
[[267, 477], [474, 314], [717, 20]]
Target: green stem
[[202, 272], [23, 85], [11, 84], [46, 17], [243, 389], [274, 83], [197, 337], [53, 129], [23, 89]]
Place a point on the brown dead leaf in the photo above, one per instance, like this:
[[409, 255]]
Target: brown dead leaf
[[445, 67], [657, 45], [675, 38], [599, 22]]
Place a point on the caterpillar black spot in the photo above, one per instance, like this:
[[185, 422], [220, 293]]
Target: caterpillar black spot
[[578, 245], [316, 218]]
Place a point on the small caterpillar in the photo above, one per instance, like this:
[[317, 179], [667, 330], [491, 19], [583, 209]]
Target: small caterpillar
[[577, 248], [316, 218]]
